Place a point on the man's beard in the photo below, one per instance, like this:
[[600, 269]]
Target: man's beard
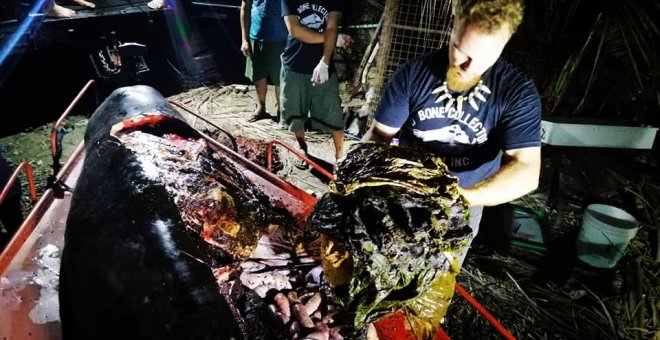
[[455, 83]]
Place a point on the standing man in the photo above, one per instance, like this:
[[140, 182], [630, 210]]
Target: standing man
[[309, 83], [471, 107], [264, 37]]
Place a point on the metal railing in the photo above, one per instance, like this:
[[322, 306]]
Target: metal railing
[[320, 169], [28, 173], [56, 132]]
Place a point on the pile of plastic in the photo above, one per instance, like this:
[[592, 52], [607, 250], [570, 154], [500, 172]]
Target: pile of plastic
[[394, 223]]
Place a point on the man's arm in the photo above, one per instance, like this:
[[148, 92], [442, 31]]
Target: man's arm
[[246, 8], [321, 72], [330, 36], [519, 176], [379, 132], [302, 33]]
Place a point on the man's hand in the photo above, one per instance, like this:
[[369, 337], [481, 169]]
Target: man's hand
[[321, 73], [379, 132], [245, 48], [468, 195], [344, 40], [372, 334]]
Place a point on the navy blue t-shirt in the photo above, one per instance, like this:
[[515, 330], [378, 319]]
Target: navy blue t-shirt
[[314, 14], [471, 142]]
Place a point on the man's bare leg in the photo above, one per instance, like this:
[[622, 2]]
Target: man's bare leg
[[277, 100], [82, 3], [300, 138], [338, 139], [261, 87], [58, 11]]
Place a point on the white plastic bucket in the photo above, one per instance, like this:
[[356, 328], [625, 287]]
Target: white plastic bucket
[[604, 235]]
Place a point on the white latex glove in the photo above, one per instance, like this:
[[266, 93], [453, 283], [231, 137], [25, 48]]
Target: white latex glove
[[320, 74], [344, 40]]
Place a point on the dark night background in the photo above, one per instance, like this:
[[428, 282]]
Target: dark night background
[[591, 61]]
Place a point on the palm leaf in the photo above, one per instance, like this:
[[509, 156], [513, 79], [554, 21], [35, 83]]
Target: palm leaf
[[592, 75], [568, 70], [626, 31]]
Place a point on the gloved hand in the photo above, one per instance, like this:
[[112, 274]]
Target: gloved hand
[[320, 74], [344, 40]]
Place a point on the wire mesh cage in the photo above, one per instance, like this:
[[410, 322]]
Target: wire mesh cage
[[411, 28]]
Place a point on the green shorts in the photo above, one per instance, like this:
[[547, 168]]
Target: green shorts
[[300, 100], [264, 62]]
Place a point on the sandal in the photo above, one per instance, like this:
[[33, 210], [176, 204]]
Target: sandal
[[258, 116], [300, 164]]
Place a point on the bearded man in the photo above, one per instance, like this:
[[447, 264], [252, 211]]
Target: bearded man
[[471, 107]]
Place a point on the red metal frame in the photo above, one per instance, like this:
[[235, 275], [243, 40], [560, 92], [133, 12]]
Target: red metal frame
[[35, 214], [60, 121], [28, 173], [491, 319], [46, 223], [298, 154], [48, 196]]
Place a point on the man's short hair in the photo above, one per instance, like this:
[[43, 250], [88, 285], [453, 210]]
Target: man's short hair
[[491, 15]]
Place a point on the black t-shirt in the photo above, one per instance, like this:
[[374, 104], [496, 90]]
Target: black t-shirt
[[471, 141], [314, 14]]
